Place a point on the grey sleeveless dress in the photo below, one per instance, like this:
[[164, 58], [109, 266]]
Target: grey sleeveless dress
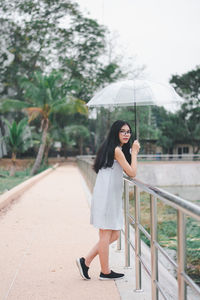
[[106, 204]]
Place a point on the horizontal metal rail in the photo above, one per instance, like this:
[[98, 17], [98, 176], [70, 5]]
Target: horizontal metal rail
[[182, 207], [174, 264], [148, 236], [176, 202], [170, 157], [162, 157]]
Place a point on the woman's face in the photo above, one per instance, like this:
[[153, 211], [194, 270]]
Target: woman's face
[[124, 134]]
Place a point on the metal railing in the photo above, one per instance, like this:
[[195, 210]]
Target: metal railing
[[165, 157], [169, 157], [182, 207]]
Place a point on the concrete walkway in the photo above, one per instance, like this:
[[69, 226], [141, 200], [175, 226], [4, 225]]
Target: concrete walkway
[[41, 235]]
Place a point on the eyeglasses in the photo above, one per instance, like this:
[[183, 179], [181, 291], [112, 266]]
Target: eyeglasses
[[123, 132]]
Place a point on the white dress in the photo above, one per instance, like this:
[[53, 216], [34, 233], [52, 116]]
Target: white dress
[[106, 204]]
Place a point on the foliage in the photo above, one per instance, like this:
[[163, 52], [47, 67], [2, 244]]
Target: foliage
[[78, 133], [188, 86], [46, 35], [59, 134], [18, 138], [8, 182], [39, 37], [172, 130], [45, 97]]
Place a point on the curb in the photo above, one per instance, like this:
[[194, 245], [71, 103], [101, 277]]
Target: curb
[[18, 190]]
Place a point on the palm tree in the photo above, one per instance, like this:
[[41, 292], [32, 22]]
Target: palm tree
[[18, 140], [60, 134], [45, 97], [79, 133], [3, 150]]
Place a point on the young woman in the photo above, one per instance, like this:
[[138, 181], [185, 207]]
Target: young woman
[[114, 156]]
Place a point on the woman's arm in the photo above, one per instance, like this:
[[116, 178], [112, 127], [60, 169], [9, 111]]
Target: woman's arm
[[131, 169]]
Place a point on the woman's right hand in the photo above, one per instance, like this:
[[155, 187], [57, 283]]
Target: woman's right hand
[[135, 147]]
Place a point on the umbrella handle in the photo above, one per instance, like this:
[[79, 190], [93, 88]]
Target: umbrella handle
[[135, 109]]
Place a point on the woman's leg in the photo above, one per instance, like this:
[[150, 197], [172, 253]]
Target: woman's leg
[[103, 249], [114, 236], [95, 250]]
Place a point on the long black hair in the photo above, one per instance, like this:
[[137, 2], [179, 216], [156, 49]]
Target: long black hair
[[106, 152]]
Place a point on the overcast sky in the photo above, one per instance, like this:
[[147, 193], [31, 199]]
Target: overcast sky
[[163, 34]]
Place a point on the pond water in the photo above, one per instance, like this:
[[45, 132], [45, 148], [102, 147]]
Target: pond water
[[190, 193]]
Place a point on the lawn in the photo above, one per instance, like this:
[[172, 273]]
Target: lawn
[[8, 182]]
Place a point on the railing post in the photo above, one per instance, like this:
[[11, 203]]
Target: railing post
[[126, 224], [119, 241], [181, 254], [137, 240], [154, 251]]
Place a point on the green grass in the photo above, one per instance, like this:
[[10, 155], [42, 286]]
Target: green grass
[[8, 182]]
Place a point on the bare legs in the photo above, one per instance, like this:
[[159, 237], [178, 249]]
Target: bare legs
[[106, 237]]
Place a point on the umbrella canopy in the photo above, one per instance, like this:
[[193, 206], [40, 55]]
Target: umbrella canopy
[[130, 92], [135, 93]]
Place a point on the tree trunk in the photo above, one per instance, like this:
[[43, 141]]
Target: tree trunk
[[46, 154], [149, 121], [13, 166], [81, 146], [41, 149], [64, 149], [138, 125]]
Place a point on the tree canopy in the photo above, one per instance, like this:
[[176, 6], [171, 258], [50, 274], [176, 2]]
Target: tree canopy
[[188, 86], [45, 39], [47, 34]]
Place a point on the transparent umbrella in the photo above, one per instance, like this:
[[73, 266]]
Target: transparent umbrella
[[135, 93]]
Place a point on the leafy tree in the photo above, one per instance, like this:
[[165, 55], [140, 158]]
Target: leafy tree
[[18, 140], [46, 35], [188, 86], [45, 97], [79, 133], [49, 143], [59, 134], [172, 131]]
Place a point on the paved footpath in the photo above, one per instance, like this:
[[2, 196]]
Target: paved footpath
[[41, 235]]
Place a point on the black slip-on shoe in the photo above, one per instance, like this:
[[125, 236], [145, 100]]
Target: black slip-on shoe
[[83, 269], [111, 276]]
